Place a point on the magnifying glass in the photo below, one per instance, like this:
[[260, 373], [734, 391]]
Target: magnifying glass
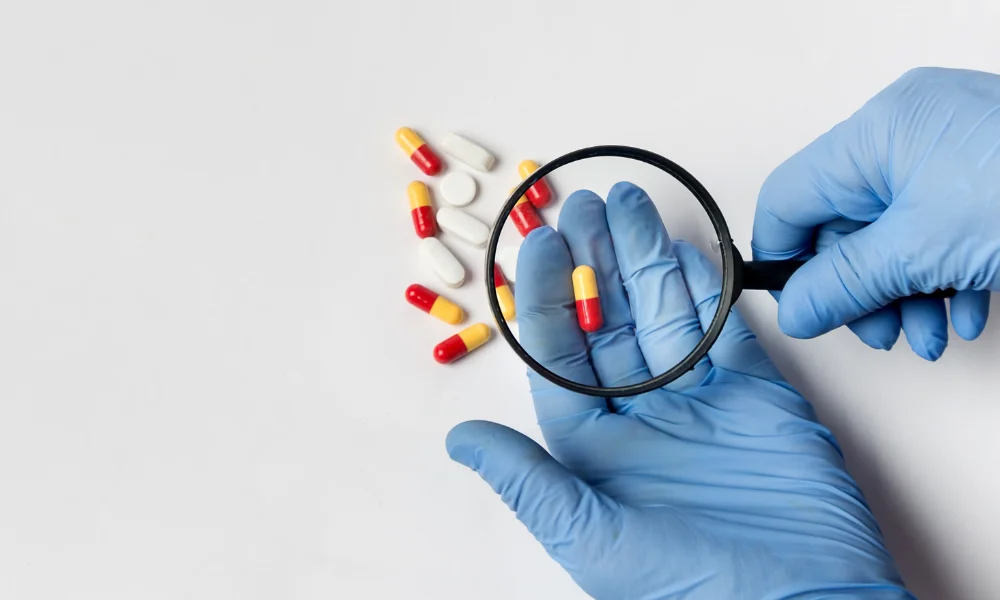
[[658, 176]]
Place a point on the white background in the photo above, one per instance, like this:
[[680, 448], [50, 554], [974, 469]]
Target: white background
[[210, 386]]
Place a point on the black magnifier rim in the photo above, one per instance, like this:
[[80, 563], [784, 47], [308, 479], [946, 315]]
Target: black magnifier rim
[[729, 268]]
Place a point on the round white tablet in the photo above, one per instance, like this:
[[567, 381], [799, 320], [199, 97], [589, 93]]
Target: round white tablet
[[507, 259], [458, 189]]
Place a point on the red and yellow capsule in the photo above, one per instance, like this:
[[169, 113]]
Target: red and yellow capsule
[[539, 194], [461, 343], [588, 302], [524, 216], [421, 211], [504, 296], [419, 152], [434, 304]]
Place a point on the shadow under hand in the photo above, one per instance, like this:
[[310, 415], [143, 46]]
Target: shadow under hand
[[905, 537]]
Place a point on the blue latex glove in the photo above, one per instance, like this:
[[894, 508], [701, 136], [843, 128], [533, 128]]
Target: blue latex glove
[[720, 486], [906, 195]]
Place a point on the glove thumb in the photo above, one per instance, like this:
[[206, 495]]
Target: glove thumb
[[856, 275], [561, 511]]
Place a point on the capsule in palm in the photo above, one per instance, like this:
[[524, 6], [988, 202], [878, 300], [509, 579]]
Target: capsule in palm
[[539, 194], [588, 301], [419, 152], [525, 217], [461, 343], [504, 296], [421, 211], [434, 304]]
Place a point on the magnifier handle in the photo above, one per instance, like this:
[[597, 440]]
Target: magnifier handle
[[772, 275]]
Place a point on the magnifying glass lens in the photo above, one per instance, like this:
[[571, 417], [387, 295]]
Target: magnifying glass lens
[[623, 295], [617, 280]]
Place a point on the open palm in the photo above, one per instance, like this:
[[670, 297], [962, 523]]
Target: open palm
[[721, 485]]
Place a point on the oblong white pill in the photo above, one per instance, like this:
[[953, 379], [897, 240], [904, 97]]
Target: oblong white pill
[[458, 189], [507, 259], [439, 259], [470, 153], [464, 226]]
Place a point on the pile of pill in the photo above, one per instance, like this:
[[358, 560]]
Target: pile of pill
[[458, 189]]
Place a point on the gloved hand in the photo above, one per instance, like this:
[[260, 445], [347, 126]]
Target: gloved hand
[[906, 194], [721, 485]]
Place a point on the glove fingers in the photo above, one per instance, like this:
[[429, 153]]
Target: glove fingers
[[561, 511], [969, 311], [880, 329], [855, 276], [925, 323], [614, 349], [547, 326], [823, 182], [736, 348], [667, 325]]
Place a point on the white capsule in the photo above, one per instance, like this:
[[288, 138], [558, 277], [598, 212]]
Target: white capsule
[[458, 189], [439, 259], [463, 226], [507, 259], [470, 153]]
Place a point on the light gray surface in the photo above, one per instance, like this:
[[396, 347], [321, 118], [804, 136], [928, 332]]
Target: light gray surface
[[211, 385]]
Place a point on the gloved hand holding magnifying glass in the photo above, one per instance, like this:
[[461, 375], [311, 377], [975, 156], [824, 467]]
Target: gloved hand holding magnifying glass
[[722, 484]]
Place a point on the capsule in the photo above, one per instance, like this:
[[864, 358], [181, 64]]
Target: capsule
[[464, 226], [468, 152], [434, 304], [588, 302], [421, 211], [525, 217], [539, 194], [439, 259], [504, 296], [461, 343], [507, 259], [418, 151]]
